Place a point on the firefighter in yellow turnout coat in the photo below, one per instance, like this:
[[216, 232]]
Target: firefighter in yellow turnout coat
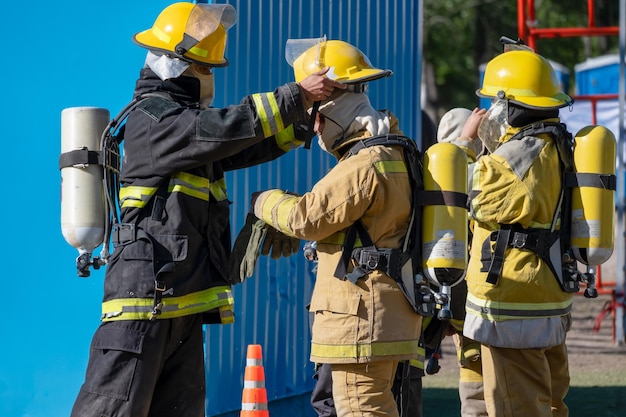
[[516, 307], [362, 328]]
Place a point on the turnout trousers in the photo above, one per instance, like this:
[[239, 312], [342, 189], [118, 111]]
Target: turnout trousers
[[145, 369], [364, 389], [525, 382]]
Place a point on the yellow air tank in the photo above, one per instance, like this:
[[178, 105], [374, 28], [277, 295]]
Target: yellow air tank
[[445, 221], [593, 199]]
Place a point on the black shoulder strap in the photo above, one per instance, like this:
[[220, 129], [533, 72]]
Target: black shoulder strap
[[112, 138]]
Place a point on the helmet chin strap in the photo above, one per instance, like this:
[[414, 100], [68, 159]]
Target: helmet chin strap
[[352, 88], [314, 110]]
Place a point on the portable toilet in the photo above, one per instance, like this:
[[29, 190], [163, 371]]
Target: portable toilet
[[561, 72], [598, 75]]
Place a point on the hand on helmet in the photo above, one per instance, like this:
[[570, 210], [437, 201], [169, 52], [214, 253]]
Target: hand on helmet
[[318, 87]]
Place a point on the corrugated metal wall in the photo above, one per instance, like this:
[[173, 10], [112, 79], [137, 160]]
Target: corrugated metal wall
[[270, 307]]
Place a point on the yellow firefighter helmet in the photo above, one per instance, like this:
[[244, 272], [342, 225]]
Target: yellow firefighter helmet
[[347, 63], [192, 32], [525, 78]]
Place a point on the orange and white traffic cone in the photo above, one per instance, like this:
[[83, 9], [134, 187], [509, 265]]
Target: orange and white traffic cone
[[254, 397]]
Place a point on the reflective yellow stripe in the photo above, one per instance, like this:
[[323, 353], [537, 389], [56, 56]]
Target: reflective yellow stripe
[[421, 357], [275, 111], [183, 182], [457, 324], [260, 109], [390, 166], [140, 308], [135, 196], [164, 37], [273, 197], [227, 315], [192, 185], [199, 51], [419, 364], [282, 211], [269, 113], [286, 139], [218, 189], [498, 311], [375, 349]]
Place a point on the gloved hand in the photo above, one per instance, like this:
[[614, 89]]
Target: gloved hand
[[246, 249], [279, 244]]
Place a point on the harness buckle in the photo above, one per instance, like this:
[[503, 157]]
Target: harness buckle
[[124, 233], [372, 260], [159, 285], [519, 240]]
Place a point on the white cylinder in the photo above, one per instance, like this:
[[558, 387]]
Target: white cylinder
[[82, 190]]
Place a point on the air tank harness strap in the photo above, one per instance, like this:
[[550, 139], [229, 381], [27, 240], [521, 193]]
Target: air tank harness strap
[[80, 157], [515, 236], [126, 233], [580, 179], [368, 258]]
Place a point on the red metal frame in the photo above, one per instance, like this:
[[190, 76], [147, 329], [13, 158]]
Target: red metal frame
[[527, 30], [529, 33]]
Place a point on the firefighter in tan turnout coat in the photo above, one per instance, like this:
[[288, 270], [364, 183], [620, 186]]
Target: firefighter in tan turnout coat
[[363, 325]]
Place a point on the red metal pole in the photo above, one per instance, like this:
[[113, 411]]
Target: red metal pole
[[522, 32], [590, 14]]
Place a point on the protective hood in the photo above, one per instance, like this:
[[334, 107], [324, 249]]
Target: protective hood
[[348, 117], [451, 124]]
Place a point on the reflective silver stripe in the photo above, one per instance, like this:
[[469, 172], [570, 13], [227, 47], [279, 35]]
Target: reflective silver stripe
[[269, 113], [529, 312], [253, 384], [191, 185], [254, 362], [533, 333], [253, 406], [198, 302]]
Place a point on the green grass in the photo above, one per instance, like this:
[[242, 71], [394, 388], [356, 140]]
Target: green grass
[[592, 394]]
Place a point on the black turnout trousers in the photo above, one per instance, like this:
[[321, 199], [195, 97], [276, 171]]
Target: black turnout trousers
[[144, 368]]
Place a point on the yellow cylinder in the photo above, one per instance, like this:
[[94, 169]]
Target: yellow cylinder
[[444, 227], [593, 207], [82, 190]]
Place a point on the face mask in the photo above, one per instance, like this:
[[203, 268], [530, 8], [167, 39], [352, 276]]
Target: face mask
[[207, 86], [494, 125], [165, 67]]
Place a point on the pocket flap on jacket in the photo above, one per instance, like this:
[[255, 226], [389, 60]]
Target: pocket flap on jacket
[[117, 338], [165, 248], [345, 305]]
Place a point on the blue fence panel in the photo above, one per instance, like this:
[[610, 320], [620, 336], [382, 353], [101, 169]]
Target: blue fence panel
[[270, 306]]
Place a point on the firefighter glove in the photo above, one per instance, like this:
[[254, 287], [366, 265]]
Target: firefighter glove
[[246, 249], [278, 244]]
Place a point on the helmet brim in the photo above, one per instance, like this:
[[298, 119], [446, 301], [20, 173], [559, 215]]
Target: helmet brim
[[365, 75], [555, 102], [148, 40]]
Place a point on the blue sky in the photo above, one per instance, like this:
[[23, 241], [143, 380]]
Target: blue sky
[[58, 55]]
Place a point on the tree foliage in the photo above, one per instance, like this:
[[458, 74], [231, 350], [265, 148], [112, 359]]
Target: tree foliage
[[460, 35]]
